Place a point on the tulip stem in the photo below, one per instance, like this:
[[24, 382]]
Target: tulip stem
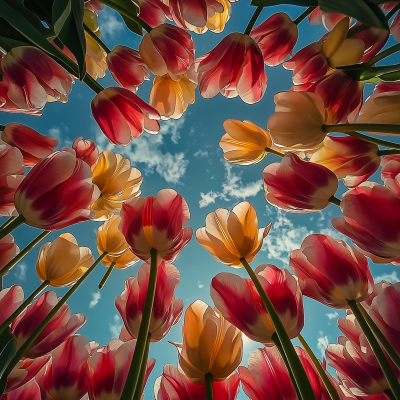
[[387, 152], [131, 383], [389, 394], [334, 200], [253, 20], [393, 11], [345, 128], [374, 140], [376, 348], [329, 387], [209, 386], [278, 344], [23, 253], [96, 38], [292, 357], [138, 393], [11, 219], [95, 86], [25, 304], [304, 14], [2, 127], [15, 223], [25, 346], [277, 153], [389, 51], [106, 275], [384, 342]]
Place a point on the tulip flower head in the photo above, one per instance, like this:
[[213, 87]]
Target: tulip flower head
[[210, 344], [11, 160], [121, 261], [7, 105], [216, 23], [10, 299], [8, 250], [390, 172], [232, 235], [153, 12], [86, 150], [329, 20], [29, 391]]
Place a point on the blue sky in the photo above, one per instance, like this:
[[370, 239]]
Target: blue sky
[[185, 156]]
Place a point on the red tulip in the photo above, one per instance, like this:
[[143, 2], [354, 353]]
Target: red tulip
[[166, 311], [156, 222], [127, 67], [173, 384], [383, 86], [57, 192], [121, 114], [329, 20], [10, 299], [276, 38], [153, 12], [370, 215], [33, 146], [86, 150], [298, 186], [7, 105], [108, 368], [378, 287], [60, 327], [29, 391], [234, 67], [239, 302], [8, 250], [331, 271], [390, 173], [11, 160], [8, 186], [31, 76]]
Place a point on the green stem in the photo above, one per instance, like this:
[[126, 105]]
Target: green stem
[[389, 394], [253, 20], [385, 53], [345, 128], [96, 38], [2, 127], [292, 357], [127, 13], [209, 386], [374, 140], [106, 275], [384, 342], [11, 219], [134, 370], [379, 354], [278, 344], [95, 86], [392, 11], [334, 200], [23, 253], [304, 14], [387, 152], [329, 387], [277, 153], [138, 393], [12, 225], [25, 304]]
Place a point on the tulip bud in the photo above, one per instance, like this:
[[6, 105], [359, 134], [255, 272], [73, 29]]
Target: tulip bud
[[153, 12], [86, 150]]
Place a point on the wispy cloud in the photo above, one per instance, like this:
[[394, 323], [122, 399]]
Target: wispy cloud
[[322, 343], [116, 327], [332, 315], [95, 299], [201, 154], [20, 273], [392, 278], [109, 24], [200, 285]]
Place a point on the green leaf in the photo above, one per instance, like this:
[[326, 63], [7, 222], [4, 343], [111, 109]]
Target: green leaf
[[134, 9], [391, 77], [60, 13], [363, 11], [41, 8], [8, 348], [268, 3], [132, 25]]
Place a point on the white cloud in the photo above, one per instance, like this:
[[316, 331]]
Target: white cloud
[[56, 133], [21, 273], [392, 278], [322, 343], [332, 315], [116, 327], [200, 285], [95, 299], [173, 127], [201, 154], [109, 24], [208, 198]]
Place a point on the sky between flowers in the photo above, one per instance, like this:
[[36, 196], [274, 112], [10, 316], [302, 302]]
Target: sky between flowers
[[185, 156]]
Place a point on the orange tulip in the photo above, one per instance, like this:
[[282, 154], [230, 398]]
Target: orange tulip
[[110, 239], [232, 235], [122, 261], [210, 344]]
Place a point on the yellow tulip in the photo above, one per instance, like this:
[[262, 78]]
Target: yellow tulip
[[110, 239]]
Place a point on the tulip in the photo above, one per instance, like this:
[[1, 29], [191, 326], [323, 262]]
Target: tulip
[[211, 345], [329, 20], [153, 12], [390, 170], [30, 391], [63, 262], [61, 326], [234, 67], [244, 143], [158, 223], [121, 114], [350, 158], [10, 299], [110, 239], [108, 369], [370, 212], [11, 160], [94, 5], [395, 25], [174, 385], [31, 76], [166, 311], [122, 261], [276, 37], [117, 182], [383, 86], [167, 49], [86, 150], [171, 98], [240, 304], [127, 67], [297, 120], [216, 23], [232, 235], [299, 186], [8, 250], [33, 146], [331, 271], [7, 105]]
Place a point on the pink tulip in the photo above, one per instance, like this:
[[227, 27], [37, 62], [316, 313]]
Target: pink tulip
[[57, 192], [235, 67], [331, 271], [329, 20], [153, 12], [108, 368], [7, 105], [390, 173], [378, 287], [370, 215], [29, 391], [8, 186], [298, 186], [276, 38], [383, 86], [31, 76], [10, 299], [8, 250], [166, 311], [11, 160], [60, 327], [156, 222], [127, 67], [173, 384], [33, 146], [122, 115], [86, 150], [239, 302]]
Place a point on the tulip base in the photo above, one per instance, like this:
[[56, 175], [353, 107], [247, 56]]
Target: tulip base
[[209, 386]]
